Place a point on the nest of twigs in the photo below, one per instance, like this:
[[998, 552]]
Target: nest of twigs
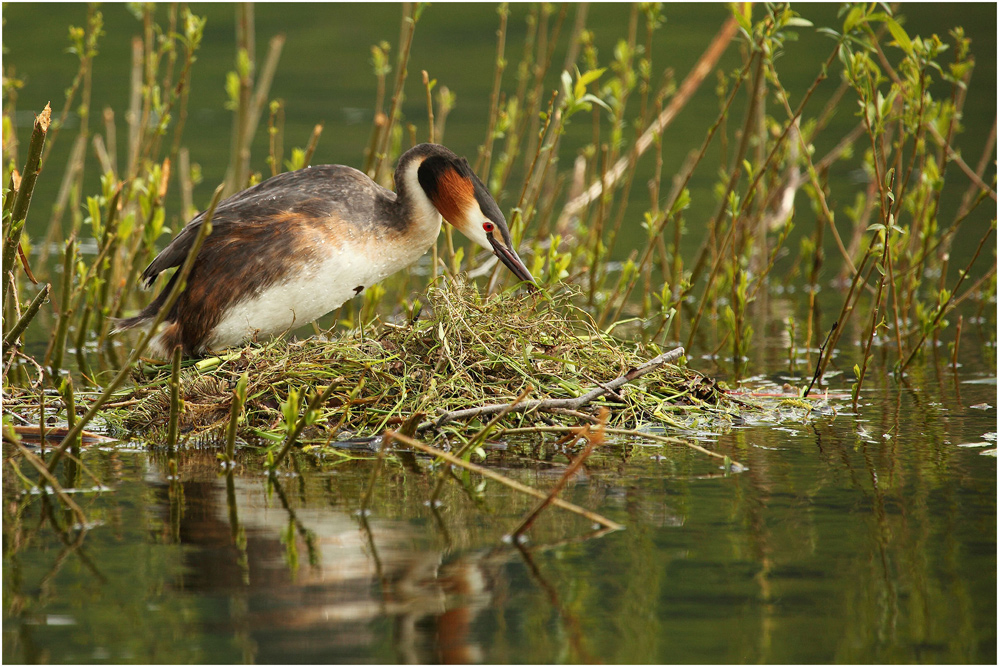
[[462, 351]]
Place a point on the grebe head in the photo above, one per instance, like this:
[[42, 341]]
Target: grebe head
[[462, 199]]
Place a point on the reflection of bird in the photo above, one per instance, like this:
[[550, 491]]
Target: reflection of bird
[[291, 249]]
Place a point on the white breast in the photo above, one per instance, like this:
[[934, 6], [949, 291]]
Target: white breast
[[319, 287]]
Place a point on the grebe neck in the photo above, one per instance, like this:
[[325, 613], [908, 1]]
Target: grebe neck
[[411, 198]]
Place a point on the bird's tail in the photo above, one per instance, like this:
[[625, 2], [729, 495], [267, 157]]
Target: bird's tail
[[147, 314]]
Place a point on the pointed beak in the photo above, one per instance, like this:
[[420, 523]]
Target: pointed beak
[[512, 260]]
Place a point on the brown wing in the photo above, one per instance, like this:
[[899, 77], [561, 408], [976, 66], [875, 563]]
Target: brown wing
[[313, 192]]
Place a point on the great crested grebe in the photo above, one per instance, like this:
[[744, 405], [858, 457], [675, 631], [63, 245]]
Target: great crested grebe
[[296, 246]]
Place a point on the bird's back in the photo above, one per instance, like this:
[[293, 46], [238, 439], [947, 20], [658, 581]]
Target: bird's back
[[312, 194], [281, 254]]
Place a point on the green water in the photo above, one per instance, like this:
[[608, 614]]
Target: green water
[[849, 538], [325, 75]]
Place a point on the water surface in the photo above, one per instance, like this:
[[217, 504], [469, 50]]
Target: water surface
[[850, 538]]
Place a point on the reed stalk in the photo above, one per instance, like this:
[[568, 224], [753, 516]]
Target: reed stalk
[[235, 412], [484, 161], [11, 336], [262, 91], [57, 344], [839, 324], [179, 286], [318, 399], [310, 148], [176, 402], [943, 308], [22, 197], [68, 397], [239, 160], [410, 15], [430, 107], [134, 114]]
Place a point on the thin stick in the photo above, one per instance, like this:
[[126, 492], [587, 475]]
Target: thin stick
[[176, 405], [317, 400], [486, 151], [945, 308], [235, 410], [496, 477], [957, 342], [683, 95], [263, 88], [10, 338], [409, 18], [430, 108], [313, 142], [818, 363], [181, 283], [22, 199], [568, 403], [594, 438]]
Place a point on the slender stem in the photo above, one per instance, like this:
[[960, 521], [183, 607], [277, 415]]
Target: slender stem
[[496, 477], [318, 399], [409, 27], [179, 286], [22, 199], [944, 308], [486, 151], [11, 336], [176, 403]]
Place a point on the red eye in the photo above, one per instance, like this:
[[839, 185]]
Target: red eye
[[488, 227]]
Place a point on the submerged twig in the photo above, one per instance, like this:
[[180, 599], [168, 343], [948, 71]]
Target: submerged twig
[[496, 477], [594, 437]]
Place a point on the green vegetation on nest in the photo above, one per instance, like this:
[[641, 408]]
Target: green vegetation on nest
[[463, 350]]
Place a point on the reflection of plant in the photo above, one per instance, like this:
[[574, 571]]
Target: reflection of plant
[[570, 214]]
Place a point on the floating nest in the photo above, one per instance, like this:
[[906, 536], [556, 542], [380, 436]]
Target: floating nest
[[462, 351]]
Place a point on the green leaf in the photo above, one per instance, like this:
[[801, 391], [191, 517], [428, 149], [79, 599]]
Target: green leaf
[[594, 100], [899, 34], [854, 18], [742, 18], [585, 79]]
